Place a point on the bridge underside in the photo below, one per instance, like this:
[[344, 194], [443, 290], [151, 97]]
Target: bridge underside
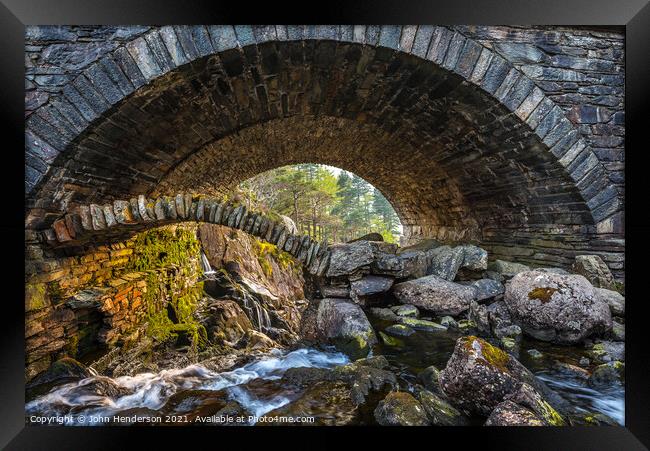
[[452, 158]]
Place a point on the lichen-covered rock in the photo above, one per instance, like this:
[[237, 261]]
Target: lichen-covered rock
[[400, 409], [499, 315], [399, 330], [557, 308], [606, 351], [507, 269], [607, 374], [389, 340], [439, 411], [429, 378], [444, 261], [406, 310], [384, 313], [421, 324], [614, 299], [594, 269], [364, 290], [344, 323], [474, 258], [435, 294], [479, 314], [479, 376], [509, 413], [530, 398]]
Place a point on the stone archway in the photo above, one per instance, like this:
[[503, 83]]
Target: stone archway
[[463, 143]]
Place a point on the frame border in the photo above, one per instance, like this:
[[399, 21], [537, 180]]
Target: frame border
[[634, 15]]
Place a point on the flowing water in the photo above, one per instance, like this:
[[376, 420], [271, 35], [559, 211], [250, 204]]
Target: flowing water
[[256, 386]]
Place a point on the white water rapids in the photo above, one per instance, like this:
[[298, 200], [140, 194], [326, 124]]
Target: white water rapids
[[153, 390]]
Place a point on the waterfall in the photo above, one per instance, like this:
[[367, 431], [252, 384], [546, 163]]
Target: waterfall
[[205, 265], [258, 315]]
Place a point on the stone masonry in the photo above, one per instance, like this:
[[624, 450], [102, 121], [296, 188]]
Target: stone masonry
[[511, 137]]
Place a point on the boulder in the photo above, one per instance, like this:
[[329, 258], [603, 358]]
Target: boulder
[[509, 413], [614, 299], [594, 269], [360, 377], [225, 321], [344, 323], [606, 351], [556, 308], [328, 402], [406, 310], [258, 340], [62, 371], [507, 269], [485, 289], [384, 313], [435, 294], [389, 265], [439, 411], [400, 409], [356, 257], [444, 261], [528, 397], [365, 290], [607, 374], [474, 258], [479, 376], [414, 264]]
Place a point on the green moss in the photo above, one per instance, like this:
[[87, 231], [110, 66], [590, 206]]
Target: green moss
[[163, 248], [550, 414], [492, 355], [390, 341], [266, 251], [355, 347], [543, 294], [36, 296]]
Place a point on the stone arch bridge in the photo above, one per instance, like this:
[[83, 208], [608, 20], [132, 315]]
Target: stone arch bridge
[[122, 219], [507, 136]]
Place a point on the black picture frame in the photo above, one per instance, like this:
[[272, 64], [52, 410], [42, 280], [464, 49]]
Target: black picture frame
[[634, 15]]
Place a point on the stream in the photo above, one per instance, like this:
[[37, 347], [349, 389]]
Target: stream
[[183, 394]]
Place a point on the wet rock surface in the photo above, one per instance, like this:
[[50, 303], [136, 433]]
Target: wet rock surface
[[558, 308], [401, 409]]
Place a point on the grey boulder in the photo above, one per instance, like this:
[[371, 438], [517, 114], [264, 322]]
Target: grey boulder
[[594, 269], [344, 323], [555, 307], [435, 294]]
